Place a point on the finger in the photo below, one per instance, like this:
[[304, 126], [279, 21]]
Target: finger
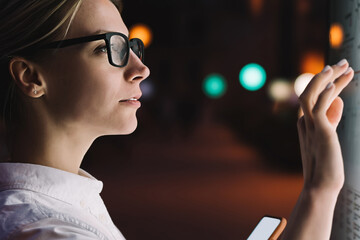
[[310, 95], [334, 105], [307, 99], [305, 113], [302, 139], [315, 85], [320, 80], [322, 105], [339, 69], [301, 130], [334, 112], [342, 81], [300, 113]]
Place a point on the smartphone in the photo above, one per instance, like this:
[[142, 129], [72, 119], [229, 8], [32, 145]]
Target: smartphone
[[268, 228]]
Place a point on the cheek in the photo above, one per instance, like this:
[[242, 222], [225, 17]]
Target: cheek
[[84, 91]]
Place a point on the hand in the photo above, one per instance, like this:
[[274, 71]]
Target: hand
[[320, 149], [321, 154]]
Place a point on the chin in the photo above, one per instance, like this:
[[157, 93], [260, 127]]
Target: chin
[[120, 127], [126, 130], [122, 131], [129, 132]]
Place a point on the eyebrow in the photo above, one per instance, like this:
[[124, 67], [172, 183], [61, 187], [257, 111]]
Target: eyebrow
[[100, 31]]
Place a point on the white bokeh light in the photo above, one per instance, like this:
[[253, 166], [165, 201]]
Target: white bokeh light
[[280, 90], [301, 82]]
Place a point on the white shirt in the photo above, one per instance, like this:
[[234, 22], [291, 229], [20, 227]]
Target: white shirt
[[38, 202]]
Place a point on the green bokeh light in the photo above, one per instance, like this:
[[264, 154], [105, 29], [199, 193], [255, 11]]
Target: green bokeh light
[[252, 77], [214, 85]]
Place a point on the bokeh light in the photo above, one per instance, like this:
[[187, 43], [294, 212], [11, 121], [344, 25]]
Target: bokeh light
[[147, 89], [252, 77], [280, 89], [143, 32], [312, 62], [301, 82], [214, 85], [336, 35], [256, 7]]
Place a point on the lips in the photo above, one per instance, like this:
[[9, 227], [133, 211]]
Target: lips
[[130, 99], [135, 98]]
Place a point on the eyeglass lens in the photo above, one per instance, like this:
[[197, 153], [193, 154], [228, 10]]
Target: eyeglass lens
[[119, 49], [138, 48]]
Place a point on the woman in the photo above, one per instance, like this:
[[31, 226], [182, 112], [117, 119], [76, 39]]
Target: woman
[[65, 94]]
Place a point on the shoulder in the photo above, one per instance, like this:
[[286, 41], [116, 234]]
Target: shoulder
[[53, 228], [22, 216]]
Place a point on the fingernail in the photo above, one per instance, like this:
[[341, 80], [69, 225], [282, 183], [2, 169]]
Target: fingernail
[[348, 71], [329, 85], [326, 69], [341, 63]]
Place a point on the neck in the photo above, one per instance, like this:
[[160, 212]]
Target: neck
[[57, 147]]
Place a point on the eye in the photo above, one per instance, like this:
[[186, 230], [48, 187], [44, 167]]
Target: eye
[[101, 49]]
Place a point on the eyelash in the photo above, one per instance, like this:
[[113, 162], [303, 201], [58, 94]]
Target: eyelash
[[101, 49]]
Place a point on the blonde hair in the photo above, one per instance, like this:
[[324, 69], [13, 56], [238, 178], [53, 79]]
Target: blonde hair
[[24, 24], [28, 24]]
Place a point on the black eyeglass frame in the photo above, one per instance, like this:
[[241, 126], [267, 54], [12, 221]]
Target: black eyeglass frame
[[106, 37]]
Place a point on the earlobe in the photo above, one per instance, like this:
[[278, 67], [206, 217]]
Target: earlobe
[[26, 76]]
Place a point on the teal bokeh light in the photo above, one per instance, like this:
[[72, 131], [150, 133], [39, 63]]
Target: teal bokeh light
[[252, 77], [214, 85]]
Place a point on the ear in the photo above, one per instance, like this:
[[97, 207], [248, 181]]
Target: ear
[[27, 77]]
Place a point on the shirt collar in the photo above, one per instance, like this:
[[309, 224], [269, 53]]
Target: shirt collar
[[65, 186]]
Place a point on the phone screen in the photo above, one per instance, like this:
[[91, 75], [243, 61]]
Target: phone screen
[[265, 228]]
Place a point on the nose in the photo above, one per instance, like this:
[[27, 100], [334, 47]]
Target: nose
[[136, 70]]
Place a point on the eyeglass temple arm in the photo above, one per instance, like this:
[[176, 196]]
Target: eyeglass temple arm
[[73, 41]]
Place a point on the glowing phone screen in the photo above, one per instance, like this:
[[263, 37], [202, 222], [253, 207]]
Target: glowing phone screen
[[264, 229]]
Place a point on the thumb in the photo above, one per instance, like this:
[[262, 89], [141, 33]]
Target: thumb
[[335, 110]]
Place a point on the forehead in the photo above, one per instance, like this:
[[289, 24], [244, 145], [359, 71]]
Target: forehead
[[95, 15]]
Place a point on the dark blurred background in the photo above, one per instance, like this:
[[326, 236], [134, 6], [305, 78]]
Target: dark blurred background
[[209, 168]]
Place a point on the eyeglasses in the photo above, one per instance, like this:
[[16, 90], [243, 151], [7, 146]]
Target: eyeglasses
[[118, 46]]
